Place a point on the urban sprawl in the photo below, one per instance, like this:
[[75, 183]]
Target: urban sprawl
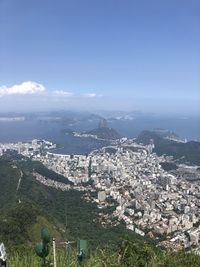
[[128, 176]]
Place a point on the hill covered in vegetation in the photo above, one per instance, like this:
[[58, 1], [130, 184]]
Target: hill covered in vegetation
[[25, 200], [104, 132], [184, 152]]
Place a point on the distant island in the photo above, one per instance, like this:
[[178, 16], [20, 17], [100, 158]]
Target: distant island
[[103, 132]]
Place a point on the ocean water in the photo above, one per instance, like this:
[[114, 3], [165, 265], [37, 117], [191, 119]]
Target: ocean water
[[188, 128], [27, 130], [185, 127]]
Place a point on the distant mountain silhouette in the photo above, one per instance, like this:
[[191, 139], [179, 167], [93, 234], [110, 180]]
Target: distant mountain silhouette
[[103, 123], [104, 132]]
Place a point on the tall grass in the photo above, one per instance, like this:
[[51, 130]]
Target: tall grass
[[31, 260], [110, 258]]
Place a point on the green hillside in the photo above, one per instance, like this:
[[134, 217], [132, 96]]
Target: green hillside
[[185, 152], [20, 227], [48, 206], [105, 133]]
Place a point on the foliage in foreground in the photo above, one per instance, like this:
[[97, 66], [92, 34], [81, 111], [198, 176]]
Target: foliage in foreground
[[128, 254]]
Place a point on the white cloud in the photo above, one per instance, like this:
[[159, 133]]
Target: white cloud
[[30, 95], [24, 88], [33, 88], [90, 95], [62, 93]]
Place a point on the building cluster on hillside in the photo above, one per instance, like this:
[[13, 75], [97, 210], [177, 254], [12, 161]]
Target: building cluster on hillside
[[27, 149], [149, 200], [73, 167]]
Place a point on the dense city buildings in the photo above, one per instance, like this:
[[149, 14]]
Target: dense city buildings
[[130, 177]]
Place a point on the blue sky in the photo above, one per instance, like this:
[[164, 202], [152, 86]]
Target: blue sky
[[87, 54]]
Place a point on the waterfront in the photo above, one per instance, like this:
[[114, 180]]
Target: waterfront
[[15, 131]]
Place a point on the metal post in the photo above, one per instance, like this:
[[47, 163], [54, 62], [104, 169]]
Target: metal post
[[54, 252], [3, 256], [67, 254]]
